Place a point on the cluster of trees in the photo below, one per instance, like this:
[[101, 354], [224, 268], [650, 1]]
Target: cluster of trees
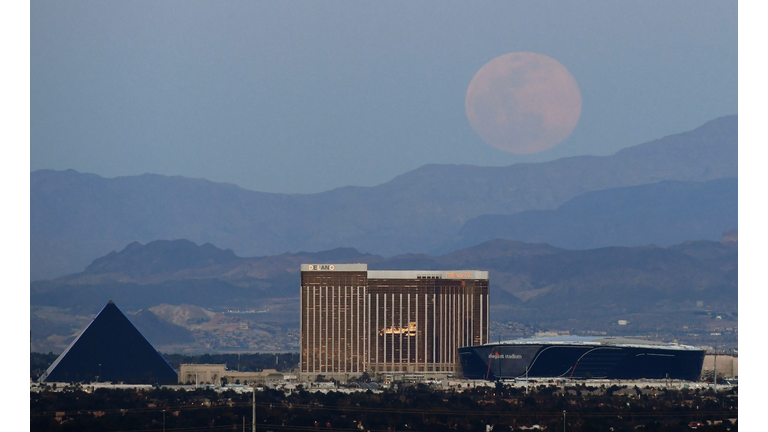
[[39, 362], [364, 378], [415, 407], [283, 362]]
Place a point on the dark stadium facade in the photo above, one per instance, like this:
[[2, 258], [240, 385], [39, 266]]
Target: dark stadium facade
[[581, 358]]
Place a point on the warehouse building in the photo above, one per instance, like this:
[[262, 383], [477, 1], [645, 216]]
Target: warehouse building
[[389, 321]]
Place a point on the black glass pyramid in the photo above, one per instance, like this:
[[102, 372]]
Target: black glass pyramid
[[111, 349]]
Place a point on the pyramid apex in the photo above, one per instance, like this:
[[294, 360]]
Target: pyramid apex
[[111, 302]]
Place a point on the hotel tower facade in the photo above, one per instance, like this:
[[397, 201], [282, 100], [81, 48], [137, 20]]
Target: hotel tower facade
[[389, 321]]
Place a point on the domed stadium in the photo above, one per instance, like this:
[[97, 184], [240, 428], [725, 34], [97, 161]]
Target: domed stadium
[[582, 358]]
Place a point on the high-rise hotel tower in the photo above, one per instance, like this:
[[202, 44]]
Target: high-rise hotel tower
[[389, 321]]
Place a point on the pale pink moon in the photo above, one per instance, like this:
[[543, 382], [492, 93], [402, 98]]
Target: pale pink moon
[[523, 103]]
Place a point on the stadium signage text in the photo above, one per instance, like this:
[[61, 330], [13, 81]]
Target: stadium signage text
[[458, 275], [505, 356], [321, 267]]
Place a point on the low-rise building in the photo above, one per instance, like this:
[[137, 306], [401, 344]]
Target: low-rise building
[[201, 373], [727, 366], [218, 374]]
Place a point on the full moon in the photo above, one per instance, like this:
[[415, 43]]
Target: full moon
[[523, 103]]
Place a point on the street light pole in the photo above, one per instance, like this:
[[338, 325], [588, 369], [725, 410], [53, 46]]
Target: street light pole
[[563, 420], [254, 407], [715, 367], [163, 420]]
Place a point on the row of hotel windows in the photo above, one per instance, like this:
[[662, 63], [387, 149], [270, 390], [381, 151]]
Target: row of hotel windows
[[339, 316]]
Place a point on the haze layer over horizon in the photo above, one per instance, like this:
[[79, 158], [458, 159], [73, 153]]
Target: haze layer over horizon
[[307, 97]]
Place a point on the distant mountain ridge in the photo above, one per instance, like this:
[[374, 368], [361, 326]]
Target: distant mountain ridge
[[514, 266], [663, 214], [529, 282], [77, 217], [166, 257]]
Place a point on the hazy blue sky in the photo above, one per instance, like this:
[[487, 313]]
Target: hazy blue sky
[[308, 96]]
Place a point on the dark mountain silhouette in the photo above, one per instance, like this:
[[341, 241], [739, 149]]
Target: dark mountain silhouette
[[158, 331], [163, 258], [77, 217], [180, 271], [663, 214], [529, 282]]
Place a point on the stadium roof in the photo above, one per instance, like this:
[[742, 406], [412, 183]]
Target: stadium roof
[[596, 341]]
